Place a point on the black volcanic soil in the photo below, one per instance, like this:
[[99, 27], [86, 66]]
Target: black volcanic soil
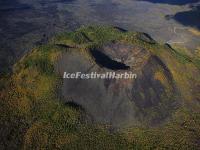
[[120, 102]]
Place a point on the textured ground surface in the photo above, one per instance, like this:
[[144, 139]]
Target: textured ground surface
[[25, 23], [40, 110], [123, 102]]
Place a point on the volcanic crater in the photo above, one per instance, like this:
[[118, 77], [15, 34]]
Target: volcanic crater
[[119, 102]]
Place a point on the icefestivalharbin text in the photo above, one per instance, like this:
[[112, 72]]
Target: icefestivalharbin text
[[95, 75]]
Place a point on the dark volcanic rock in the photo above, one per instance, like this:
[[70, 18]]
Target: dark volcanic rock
[[119, 102], [146, 38]]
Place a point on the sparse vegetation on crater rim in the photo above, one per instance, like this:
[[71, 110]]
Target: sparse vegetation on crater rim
[[32, 115]]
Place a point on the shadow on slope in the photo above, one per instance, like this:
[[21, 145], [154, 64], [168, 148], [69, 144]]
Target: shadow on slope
[[172, 2], [189, 18]]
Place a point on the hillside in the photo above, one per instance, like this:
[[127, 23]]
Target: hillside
[[157, 110]]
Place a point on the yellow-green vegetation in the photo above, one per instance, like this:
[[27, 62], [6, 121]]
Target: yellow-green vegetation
[[195, 31], [32, 115]]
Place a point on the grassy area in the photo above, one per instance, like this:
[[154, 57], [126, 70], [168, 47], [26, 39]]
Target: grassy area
[[33, 117]]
